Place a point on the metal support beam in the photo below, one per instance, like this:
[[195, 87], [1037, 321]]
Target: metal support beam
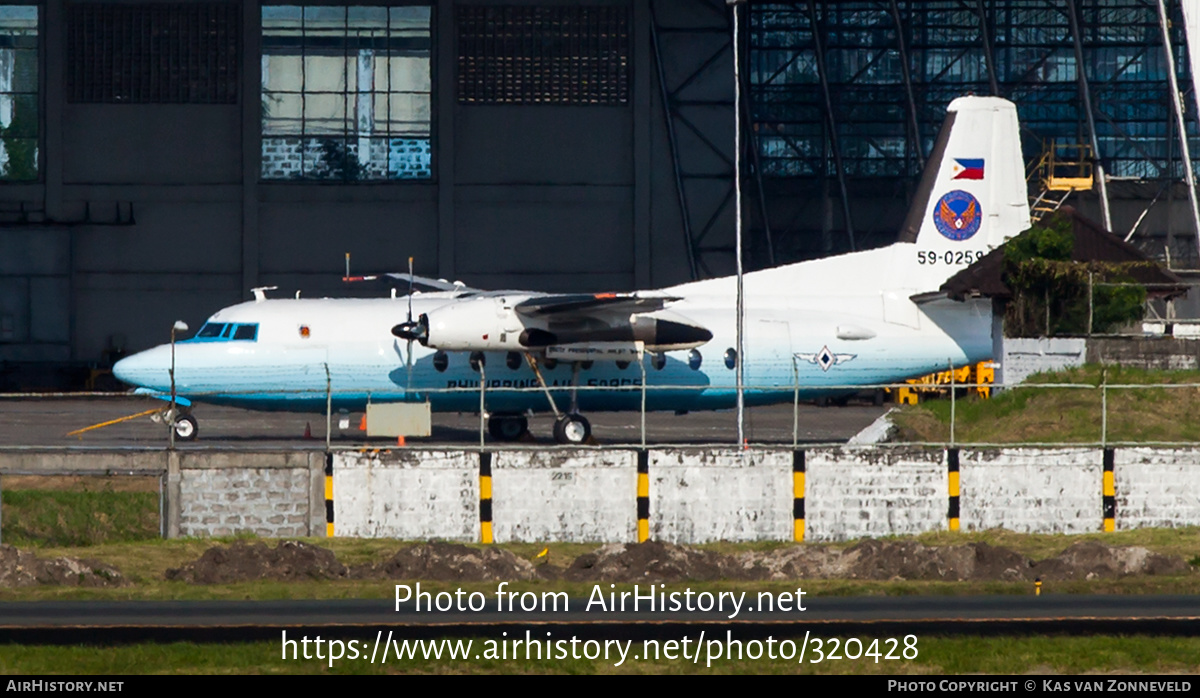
[[1181, 127], [830, 122], [674, 142], [1085, 93], [988, 54], [914, 126]]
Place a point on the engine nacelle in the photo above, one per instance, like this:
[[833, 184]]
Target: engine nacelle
[[490, 323], [475, 324]]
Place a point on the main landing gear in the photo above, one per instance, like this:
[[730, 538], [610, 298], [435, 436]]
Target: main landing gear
[[508, 427], [570, 428]]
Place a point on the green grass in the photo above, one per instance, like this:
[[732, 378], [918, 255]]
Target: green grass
[[58, 518], [1067, 415], [935, 656]]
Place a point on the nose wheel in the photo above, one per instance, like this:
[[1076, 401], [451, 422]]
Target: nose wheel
[[186, 428], [572, 429]]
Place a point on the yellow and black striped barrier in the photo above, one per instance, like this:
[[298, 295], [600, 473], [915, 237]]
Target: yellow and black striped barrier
[[1110, 492], [643, 496], [798, 496], [328, 495], [952, 468], [485, 497]]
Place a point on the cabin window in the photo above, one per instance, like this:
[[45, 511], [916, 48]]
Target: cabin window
[[513, 360], [246, 332], [441, 361], [622, 365], [730, 358], [659, 361], [211, 330], [550, 364], [694, 359], [477, 361]]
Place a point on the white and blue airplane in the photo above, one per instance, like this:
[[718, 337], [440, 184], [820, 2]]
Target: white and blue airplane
[[862, 318]]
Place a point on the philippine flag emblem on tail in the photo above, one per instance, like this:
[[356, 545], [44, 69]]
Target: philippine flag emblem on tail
[[968, 168]]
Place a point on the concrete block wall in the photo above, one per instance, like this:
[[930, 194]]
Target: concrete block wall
[[407, 494], [269, 502], [267, 494], [1032, 490], [1023, 357], [697, 497], [564, 496], [870, 493], [694, 496], [1157, 487]]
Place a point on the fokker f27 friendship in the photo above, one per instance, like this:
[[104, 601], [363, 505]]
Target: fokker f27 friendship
[[860, 318]]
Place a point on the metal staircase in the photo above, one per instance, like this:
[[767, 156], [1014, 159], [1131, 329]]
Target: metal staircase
[[1061, 169]]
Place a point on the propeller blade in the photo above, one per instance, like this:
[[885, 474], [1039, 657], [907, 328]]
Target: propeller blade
[[411, 281]]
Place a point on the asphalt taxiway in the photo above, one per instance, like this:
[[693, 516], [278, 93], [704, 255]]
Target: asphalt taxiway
[[45, 422]]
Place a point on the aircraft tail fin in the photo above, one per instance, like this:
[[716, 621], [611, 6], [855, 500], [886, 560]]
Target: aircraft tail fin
[[973, 195]]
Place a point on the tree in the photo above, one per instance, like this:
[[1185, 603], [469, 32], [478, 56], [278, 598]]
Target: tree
[[1051, 291]]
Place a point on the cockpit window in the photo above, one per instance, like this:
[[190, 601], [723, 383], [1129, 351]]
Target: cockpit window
[[226, 331]]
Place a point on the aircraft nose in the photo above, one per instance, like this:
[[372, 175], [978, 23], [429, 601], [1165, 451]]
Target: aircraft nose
[[145, 369]]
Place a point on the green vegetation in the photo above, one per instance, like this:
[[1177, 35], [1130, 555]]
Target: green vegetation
[[75, 518], [1031, 414], [1050, 291], [935, 655]]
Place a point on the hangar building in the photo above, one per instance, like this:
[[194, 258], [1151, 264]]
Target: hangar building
[[159, 159]]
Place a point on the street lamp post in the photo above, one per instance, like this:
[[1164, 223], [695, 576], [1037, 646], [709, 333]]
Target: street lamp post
[[179, 326]]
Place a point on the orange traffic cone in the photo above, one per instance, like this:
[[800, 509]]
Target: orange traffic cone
[[362, 423], [399, 440]]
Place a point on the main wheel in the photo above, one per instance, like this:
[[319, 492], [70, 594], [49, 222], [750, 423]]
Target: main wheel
[[186, 427], [572, 429], [508, 427]]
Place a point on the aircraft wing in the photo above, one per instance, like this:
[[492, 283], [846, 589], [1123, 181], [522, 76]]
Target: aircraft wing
[[560, 306]]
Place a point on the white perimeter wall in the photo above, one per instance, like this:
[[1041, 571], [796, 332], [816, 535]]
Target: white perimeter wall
[[564, 496], [697, 497], [1157, 487], [700, 496], [872, 493], [1032, 490], [407, 494]]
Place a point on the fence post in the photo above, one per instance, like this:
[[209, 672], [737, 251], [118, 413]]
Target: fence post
[[642, 366], [482, 393], [1090, 304], [795, 403], [1104, 408], [952, 404], [328, 407]]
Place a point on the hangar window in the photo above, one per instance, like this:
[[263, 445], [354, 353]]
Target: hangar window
[[561, 54], [160, 53], [18, 92], [346, 93]]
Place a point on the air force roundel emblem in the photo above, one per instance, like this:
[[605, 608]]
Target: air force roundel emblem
[[957, 215]]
